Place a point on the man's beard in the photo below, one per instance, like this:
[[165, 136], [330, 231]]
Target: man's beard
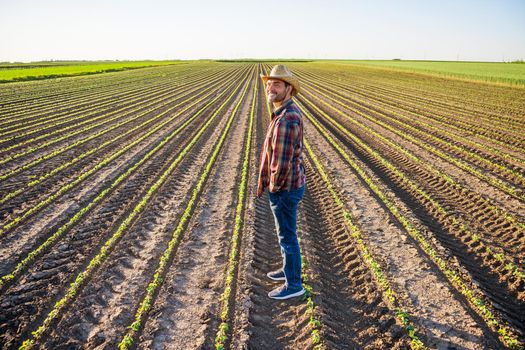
[[277, 97]]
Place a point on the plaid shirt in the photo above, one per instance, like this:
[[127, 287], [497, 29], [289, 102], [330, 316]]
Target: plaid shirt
[[281, 165]]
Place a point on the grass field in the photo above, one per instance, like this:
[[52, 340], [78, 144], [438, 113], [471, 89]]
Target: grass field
[[507, 73], [45, 70], [128, 215]]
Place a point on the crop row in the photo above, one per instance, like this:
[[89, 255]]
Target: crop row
[[153, 107], [444, 114], [389, 296], [24, 97], [81, 115], [84, 125], [468, 235], [22, 265], [485, 100], [233, 259], [109, 245], [101, 146], [400, 125], [138, 104], [60, 111], [167, 256], [469, 120], [449, 219], [427, 117], [88, 172], [450, 104], [397, 147]]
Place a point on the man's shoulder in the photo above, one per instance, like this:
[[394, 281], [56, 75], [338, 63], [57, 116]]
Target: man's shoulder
[[292, 108], [291, 113]]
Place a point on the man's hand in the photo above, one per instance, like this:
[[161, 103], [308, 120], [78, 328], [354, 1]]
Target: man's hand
[[260, 191]]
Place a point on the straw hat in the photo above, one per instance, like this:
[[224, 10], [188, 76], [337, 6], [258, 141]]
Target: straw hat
[[280, 72]]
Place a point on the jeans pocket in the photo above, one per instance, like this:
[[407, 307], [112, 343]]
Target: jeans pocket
[[297, 194]]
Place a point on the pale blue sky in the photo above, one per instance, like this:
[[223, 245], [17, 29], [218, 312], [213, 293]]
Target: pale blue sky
[[161, 29]]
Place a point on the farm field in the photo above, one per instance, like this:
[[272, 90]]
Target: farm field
[[128, 215], [511, 73]]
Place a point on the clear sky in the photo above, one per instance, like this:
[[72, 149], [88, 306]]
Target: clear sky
[[466, 30]]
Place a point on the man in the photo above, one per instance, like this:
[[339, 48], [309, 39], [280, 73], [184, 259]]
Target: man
[[282, 172]]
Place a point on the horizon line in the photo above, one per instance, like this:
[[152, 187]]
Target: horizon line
[[519, 60]]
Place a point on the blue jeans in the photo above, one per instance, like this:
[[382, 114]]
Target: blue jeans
[[284, 208]]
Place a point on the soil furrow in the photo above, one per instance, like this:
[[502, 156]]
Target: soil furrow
[[24, 199], [409, 269], [123, 276], [185, 313], [49, 218], [82, 241], [353, 315], [492, 282], [445, 166]]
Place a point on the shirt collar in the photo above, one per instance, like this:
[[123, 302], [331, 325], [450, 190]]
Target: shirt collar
[[283, 106]]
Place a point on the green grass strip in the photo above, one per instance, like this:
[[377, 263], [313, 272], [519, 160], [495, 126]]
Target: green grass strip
[[166, 257], [61, 71], [477, 303]]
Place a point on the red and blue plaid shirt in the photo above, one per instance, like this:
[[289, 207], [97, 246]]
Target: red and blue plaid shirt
[[281, 165]]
